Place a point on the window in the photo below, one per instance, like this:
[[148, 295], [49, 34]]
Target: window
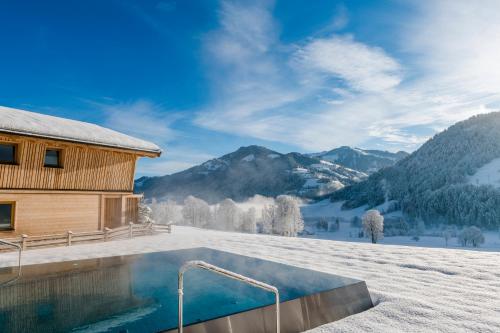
[[53, 158], [7, 153], [6, 215]]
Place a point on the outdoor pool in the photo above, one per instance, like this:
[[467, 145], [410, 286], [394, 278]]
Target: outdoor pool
[[138, 293]]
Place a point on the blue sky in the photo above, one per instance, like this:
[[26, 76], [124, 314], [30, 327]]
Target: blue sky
[[202, 78]]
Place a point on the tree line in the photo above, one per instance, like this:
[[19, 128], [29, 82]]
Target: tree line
[[282, 217]]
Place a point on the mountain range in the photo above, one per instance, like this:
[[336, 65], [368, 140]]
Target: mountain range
[[367, 161], [257, 170]]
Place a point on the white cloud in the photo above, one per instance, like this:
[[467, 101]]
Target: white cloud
[[243, 63], [457, 44], [249, 29], [152, 122], [363, 68], [341, 19], [336, 90], [142, 119]]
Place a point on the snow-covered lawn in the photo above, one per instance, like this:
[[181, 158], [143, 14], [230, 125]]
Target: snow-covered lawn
[[346, 233], [333, 210], [416, 289]]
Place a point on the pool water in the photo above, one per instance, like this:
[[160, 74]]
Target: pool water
[[138, 293]]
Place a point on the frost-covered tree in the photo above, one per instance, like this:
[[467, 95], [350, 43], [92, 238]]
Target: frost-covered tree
[[373, 225], [471, 235], [249, 221], [267, 218], [227, 216], [288, 218], [145, 213], [165, 212], [447, 235], [196, 212]]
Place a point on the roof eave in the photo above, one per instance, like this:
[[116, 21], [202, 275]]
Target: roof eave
[[147, 152]]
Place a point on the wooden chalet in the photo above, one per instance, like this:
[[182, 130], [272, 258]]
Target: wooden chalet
[[58, 174]]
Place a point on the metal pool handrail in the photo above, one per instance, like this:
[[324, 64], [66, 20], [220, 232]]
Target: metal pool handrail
[[229, 274], [19, 248]]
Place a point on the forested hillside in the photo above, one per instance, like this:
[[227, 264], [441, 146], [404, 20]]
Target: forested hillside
[[432, 182]]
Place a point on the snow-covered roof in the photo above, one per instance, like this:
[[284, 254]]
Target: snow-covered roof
[[44, 126]]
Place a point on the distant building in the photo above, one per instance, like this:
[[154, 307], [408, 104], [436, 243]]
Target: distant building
[[58, 174]]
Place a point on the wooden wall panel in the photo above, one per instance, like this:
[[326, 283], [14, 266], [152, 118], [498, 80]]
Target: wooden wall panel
[[51, 213], [85, 167], [112, 212], [132, 210]]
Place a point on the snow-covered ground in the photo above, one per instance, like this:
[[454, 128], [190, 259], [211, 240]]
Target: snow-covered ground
[[326, 208], [416, 289], [347, 233]]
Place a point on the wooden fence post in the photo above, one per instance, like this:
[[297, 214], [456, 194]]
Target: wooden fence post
[[70, 236], [23, 241], [130, 232], [106, 231]]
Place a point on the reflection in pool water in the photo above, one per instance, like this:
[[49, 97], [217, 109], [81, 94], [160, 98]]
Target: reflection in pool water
[[139, 293]]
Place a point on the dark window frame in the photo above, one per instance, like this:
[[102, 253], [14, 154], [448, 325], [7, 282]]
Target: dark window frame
[[59, 158], [15, 153], [12, 215]]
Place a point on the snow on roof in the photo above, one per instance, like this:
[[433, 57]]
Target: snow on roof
[[40, 125]]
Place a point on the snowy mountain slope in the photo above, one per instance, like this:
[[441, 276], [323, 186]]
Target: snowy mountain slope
[[437, 182], [249, 171], [488, 174], [368, 161]]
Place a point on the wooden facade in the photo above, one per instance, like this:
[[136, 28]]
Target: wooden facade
[[84, 167], [91, 189]]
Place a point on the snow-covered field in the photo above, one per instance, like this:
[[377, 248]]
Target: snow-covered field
[[326, 208], [346, 233], [492, 240], [416, 289]]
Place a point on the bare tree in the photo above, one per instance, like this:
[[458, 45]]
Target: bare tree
[[373, 225]]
